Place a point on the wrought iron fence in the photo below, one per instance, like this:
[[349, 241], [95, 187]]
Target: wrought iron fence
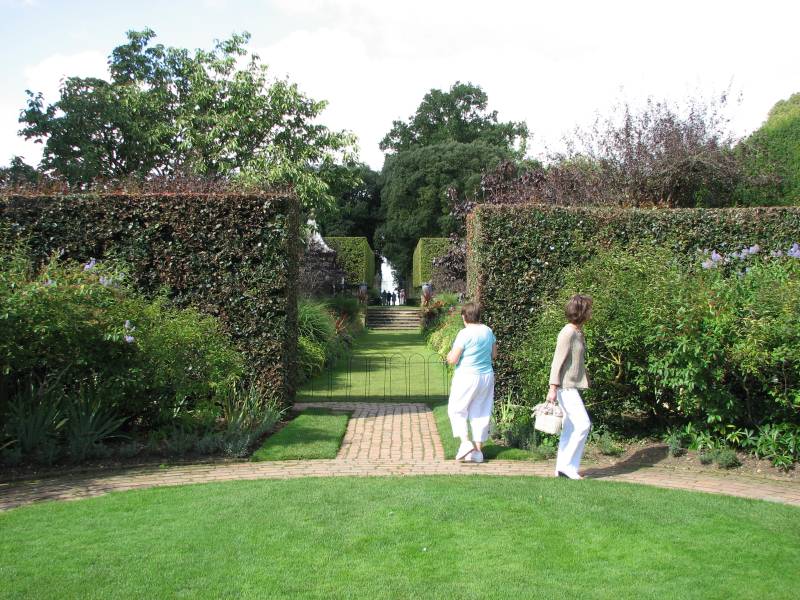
[[381, 377]]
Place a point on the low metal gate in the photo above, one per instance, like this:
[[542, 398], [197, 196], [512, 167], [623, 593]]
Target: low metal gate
[[381, 377]]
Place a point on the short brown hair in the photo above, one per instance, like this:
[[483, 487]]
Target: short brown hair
[[577, 309], [471, 312]]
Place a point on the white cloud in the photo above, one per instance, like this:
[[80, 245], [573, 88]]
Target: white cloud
[[552, 65], [46, 76]]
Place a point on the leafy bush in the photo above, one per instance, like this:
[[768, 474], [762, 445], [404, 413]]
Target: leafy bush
[[726, 458], [441, 339], [517, 255], [355, 256], [83, 354], [228, 255], [426, 250], [90, 421], [716, 348]]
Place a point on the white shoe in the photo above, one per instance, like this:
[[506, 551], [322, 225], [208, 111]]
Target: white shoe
[[476, 457], [568, 474], [464, 450]]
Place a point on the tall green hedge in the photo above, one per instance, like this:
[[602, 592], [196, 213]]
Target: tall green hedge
[[356, 257], [517, 253], [229, 255], [427, 249]]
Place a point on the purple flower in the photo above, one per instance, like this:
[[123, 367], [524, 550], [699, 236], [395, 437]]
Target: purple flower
[[49, 283], [794, 251], [755, 249], [709, 264], [106, 281], [90, 265], [716, 256], [776, 253], [130, 339]]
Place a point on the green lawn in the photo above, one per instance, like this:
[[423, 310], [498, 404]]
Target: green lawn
[[315, 433], [384, 367], [413, 537]]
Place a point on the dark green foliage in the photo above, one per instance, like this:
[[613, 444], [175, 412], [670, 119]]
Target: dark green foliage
[[726, 458], [356, 257], [414, 197], [425, 251], [518, 254], [18, 172], [458, 115], [776, 145], [232, 256], [356, 210]]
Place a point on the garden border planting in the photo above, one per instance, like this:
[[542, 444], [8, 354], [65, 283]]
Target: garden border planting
[[516, 255], [231, 255]]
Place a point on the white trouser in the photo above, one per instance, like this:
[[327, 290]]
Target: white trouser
[[574, 432], [471, 398]]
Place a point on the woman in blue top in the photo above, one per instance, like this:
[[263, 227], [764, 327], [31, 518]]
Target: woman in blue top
[[472, 391]]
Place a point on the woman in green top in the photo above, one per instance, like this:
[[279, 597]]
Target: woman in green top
[[567, 377]]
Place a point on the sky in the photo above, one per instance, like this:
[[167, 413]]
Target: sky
[[554, 65]]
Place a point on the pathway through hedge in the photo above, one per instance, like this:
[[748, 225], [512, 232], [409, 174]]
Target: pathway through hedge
[[385, 438]]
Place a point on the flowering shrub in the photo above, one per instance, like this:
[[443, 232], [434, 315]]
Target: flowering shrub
[[716, 346], [105, 354], [229, 254], [517, 255]]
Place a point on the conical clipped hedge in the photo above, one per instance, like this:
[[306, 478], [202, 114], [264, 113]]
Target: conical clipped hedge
[[230, 255], [517, 254]]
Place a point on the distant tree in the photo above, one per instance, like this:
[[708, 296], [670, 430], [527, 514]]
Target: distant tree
[[414, 196], [168, 111], [459, 115], [356, 209], [775, 146], [663, 155], [18, 172]]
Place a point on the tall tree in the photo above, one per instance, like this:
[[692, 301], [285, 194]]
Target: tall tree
[[167, 110], [356, 212], [445, 145], [459, 115], [414, 197], [18, 172]]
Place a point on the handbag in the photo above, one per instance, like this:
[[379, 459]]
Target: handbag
[[548, 418]]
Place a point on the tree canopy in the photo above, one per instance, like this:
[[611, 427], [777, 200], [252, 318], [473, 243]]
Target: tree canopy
[[414, 198], [356, 212], [459, 115], [168, 111]]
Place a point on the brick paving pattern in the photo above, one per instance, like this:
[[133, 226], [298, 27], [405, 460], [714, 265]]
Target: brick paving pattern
[[381, 440]]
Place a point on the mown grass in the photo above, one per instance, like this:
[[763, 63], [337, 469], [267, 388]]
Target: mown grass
[[314, 433], [385, 366], [411, 537]]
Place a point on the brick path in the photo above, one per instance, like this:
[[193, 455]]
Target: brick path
[[381, 440]]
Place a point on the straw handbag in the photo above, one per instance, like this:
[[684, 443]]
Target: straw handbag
[[548, 418]]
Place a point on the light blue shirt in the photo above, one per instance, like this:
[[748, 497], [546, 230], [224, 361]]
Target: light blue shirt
[[476, 342]]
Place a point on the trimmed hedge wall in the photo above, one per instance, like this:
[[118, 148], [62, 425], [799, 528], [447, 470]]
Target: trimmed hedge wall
[[229, 255], [516, 254], [356, 257], [427, 249]]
